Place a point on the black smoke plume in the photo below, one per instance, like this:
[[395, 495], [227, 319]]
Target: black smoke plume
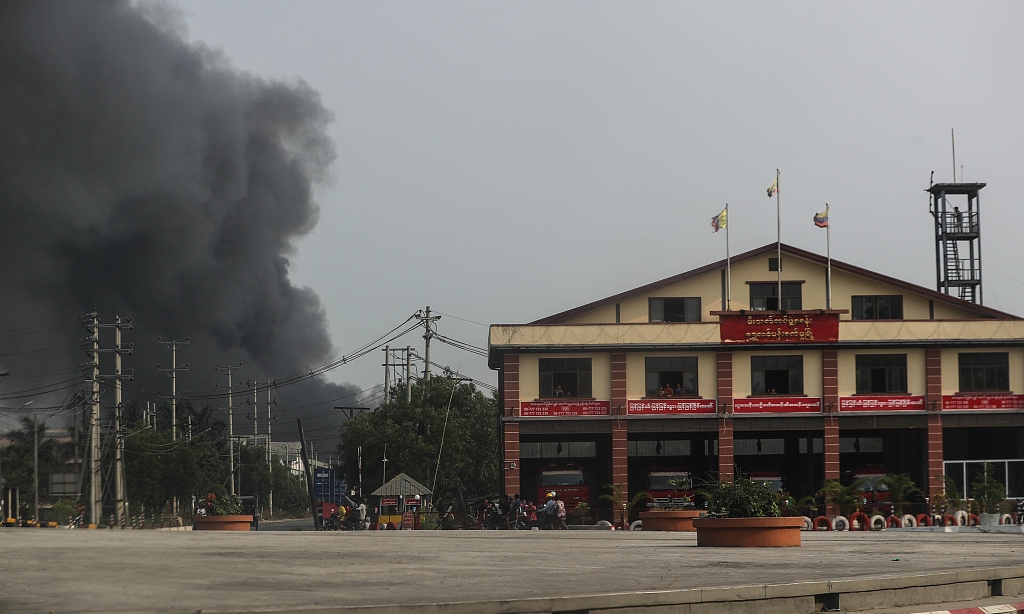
[[142, 175]]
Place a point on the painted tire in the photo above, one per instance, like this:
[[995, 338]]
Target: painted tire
[[949, 520], [862, 521], [909, 521], [1006, 519], [841, 523], [961, 518], [974, 520], [891, 522], [924, 520], [808, 524], [637, 525], [819, 520]]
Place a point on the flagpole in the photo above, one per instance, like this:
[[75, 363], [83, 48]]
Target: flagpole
[[828, 251], [778, 234], [728, 264]]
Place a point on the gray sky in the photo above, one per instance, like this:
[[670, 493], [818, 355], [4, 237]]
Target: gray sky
[[502, 162]]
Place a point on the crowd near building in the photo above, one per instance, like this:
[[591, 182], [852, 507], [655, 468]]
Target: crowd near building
[[687, 374]]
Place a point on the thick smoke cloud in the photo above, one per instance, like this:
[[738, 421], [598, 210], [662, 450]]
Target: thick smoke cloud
[[142, 175]]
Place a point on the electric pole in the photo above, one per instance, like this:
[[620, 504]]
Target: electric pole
[[35, 468], [119, 474], [387, 374], [408, 374], [173, 371], [91, 321], [428, 332], [231, 428], [270, 466]]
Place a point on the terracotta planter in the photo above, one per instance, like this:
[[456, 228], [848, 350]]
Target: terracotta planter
[[669, 520], [222, 523], [748, 532]]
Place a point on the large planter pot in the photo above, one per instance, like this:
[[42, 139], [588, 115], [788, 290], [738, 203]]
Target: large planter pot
[[748, 532], [989, 520], [669, 520], [222, 523]]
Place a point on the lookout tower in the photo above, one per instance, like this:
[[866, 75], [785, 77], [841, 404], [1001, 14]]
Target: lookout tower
[[957, 213]]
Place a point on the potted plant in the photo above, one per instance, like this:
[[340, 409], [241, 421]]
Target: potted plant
[[745, 513], [988, 494], [901, 490], [847, 499], [220, 512], [621, 503]]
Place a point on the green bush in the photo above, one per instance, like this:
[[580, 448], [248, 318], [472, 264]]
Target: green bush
[[743, 498]]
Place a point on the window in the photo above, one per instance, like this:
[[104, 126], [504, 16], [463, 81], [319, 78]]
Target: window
[[668, 447], [675, 309], [777, 374], [773, 264], [754, 447], [985, 372], [565, 377], [879, 307], [678, 372], [881, 373], [766, 296], [558, 449]]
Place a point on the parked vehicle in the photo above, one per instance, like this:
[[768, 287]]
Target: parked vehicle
[[669, 488], [875, 497], [565, 480], [772, 478]]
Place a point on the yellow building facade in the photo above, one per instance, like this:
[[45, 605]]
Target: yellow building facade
[[693, 374]]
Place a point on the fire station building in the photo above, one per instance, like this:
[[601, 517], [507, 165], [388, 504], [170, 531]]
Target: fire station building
[[894, 377]]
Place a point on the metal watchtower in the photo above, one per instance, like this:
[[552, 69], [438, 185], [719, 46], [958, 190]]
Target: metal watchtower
[[957, 239]]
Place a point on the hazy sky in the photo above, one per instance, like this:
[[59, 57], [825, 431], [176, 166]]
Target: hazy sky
[[502, 162]]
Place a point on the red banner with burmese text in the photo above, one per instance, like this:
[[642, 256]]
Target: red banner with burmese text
[[983, 401], [777, 405], [557, 409], [654, 407], [774, 327], [882, 403]]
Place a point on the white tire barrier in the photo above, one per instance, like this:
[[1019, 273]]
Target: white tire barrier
[[841, 523], [636, 525], [961, 518], [1006, 519], [909, 521], [877, 522], [808, 523]]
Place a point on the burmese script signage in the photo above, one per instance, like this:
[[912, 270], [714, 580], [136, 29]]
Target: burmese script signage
[[777, 405], [389, 501], [649, 407], [775, 327], [983, 401], [549, 409], [882, 403]]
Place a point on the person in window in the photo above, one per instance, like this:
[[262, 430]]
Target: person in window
[[559, 392], [678, 390], [668, 390]]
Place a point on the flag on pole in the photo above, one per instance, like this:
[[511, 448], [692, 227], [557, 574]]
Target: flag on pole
[[774, 188], [721, 220], [821, 219]]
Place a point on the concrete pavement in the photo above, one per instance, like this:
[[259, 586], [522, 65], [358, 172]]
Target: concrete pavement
[[57, 570]]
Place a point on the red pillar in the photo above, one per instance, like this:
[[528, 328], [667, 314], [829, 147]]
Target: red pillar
[[726, 461], [620, 459], [510, 408], [830, 399], [933, 400]]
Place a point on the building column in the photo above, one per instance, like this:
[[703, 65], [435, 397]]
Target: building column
[[830, 401], [933, 401], [726, 462], [510, 432], [620, 431]]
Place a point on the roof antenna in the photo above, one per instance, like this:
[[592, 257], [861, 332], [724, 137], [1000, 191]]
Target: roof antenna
[[952, 138]]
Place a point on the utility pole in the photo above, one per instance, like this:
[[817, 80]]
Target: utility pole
[[270, 466], [174, 381], [428, 332], [35, 468], [387, 374], [231, 428], [120, 499], [91, 321], [359, 453], [408, 374]]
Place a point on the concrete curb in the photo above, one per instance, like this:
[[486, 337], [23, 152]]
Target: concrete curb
[[794, 598]]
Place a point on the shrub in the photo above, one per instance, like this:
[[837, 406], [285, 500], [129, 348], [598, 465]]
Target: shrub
[[743, 498]]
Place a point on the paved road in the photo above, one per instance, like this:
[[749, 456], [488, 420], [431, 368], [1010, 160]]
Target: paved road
[[298, 524], [44, 570]]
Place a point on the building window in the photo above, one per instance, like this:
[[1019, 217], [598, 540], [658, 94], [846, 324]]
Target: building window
[[678, 372], [879, 307], [777, 374], [558, 449], [766, 296], [989, 372], [881, 373], [675, 309], [668, 447], [565, 377]]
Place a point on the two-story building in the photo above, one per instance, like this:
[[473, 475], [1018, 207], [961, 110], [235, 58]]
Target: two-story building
[[893, 378]]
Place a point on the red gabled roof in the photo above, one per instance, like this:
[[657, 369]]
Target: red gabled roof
[[770, 248]]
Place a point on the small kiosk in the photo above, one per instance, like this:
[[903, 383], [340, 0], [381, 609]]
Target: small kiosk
[[399, 499]]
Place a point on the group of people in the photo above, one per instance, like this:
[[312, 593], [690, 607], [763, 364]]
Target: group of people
[[351, 516], [668, 390], [516, 513]]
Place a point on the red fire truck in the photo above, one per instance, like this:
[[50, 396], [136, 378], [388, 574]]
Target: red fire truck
[[875, 496], [564, 480], [668, 487]]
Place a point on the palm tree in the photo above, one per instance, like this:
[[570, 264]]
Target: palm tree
[[901, 487], [619, 501], [846, 498]]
